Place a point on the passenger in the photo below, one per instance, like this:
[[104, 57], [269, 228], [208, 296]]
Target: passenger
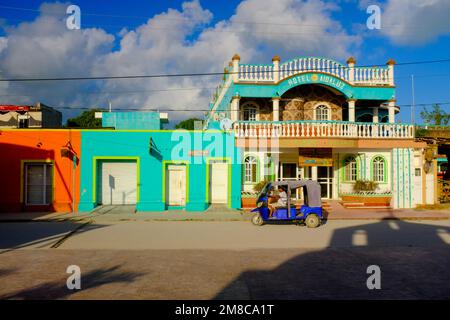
[[281, 202]]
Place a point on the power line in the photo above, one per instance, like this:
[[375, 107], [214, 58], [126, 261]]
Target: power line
[[207, 110], [177, 89], [202, 74], [111, 92], [58, 13], [298, 33]]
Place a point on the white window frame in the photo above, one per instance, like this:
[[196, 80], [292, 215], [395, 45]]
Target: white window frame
[[350, 169], [377, 170], [254, 107], [322, 106], [248, 169]]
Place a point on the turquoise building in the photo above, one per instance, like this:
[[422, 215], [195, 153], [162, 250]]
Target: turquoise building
[[158, 170]]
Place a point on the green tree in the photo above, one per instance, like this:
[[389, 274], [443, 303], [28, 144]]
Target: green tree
[[435, 116], [188, 124], [85, 120]]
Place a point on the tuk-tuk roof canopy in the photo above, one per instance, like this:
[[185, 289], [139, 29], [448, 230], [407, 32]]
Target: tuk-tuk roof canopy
[[293, 184], [312, 189]]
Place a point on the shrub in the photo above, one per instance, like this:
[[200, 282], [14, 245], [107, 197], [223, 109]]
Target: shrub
[[362, 186], [259, 186]]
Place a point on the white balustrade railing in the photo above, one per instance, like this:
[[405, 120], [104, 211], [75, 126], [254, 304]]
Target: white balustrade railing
[[256, 73], [371, 75], [311, 64], [325, 129], [353, 75]]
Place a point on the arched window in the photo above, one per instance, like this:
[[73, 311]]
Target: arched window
[[379, 169], [322, 112], [249, 111], [251, 169], [350, 169]]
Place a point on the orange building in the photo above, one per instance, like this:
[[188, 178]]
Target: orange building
[[40, 170]]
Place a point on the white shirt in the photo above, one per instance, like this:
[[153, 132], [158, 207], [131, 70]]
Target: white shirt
[[282, 201]]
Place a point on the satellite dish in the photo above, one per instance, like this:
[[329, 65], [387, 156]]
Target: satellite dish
[[226, 124]]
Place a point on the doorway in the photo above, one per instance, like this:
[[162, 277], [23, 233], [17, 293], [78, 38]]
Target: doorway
[[176, 185], [218, 182], [118, 183], [325, 179]]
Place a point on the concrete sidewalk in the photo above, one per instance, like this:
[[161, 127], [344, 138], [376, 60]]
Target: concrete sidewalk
[[336, 211], [126, 213]]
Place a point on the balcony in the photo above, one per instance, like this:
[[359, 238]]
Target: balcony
[[358, 76], [322, 129]]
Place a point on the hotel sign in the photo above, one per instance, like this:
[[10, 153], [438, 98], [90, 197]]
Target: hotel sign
[[309, 162], [315, 157], [317, 78]]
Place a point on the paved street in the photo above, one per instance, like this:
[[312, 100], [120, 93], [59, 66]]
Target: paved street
[[204, 260]]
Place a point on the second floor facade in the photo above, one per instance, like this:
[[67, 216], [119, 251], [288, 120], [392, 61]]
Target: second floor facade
[[309, 97]]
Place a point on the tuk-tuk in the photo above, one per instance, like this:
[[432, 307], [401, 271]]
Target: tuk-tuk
[[310, 212]]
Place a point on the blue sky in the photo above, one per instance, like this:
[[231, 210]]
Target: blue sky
[[124, 37]]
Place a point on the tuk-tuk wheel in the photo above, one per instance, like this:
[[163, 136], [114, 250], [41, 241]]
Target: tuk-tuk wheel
[[312, 221], [257, 220]]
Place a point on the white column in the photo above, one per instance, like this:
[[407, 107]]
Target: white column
[[351, 110], [276, 162], [351, 69], [235, 108], [390, 65], [314, 173], [276, 68], [375, 115], [276, 108], [391, 111], [235, 60]]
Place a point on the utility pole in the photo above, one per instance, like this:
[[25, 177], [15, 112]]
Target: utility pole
[[413, 105]]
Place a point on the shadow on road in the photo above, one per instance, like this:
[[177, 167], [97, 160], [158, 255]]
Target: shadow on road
[[90, 280], [39, 234], [414, 265]]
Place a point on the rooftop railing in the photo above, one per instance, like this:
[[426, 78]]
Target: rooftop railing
[[264, 73]]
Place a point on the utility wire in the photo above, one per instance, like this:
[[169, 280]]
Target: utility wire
[[94, 14], [204, 73], [208, 110], [175, 89]]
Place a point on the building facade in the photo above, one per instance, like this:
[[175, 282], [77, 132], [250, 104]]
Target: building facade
[[64, 170], [41, 170], [315, 118], [34, 116]]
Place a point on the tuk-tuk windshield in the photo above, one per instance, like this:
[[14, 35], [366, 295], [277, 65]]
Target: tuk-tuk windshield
[[265, 190]]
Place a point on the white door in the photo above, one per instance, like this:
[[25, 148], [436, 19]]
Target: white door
[[219, 182], [417, 187], [176, 185], [119, 183]]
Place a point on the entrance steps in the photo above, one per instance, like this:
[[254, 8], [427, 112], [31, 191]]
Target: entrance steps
[[360, 205]]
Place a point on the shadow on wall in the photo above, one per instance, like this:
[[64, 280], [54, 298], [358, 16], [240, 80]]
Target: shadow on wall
[[340, 271], [92, 279]]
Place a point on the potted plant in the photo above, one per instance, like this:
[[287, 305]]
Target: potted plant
[[364, 194], [248, 198]]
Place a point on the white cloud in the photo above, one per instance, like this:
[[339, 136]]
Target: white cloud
[[408, 22], [3, 43], [175, 41]]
